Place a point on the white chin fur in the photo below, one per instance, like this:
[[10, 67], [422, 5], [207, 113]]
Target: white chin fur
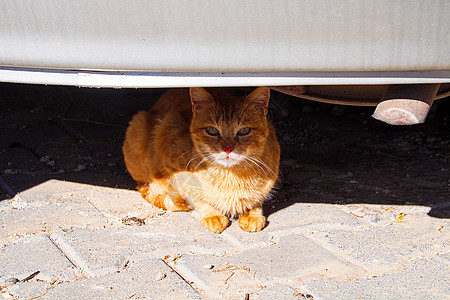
[[227, 161]]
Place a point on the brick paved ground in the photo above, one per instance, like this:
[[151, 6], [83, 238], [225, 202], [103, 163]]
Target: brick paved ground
[[363, 211]]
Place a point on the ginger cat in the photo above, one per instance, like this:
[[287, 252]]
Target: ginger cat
[[206, 151]]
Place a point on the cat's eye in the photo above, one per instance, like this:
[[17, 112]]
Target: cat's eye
[[243, 131], [212, 131]]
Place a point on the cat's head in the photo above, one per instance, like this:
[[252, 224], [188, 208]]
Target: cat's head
[[227, 130]]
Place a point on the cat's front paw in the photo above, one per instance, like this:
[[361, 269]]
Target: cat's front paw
[[252, 223], [215, 224]]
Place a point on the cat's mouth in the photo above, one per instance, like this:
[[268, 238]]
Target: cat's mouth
[[227, 160]]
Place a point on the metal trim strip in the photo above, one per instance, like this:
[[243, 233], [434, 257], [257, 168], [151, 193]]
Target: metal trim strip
[[110, 79]]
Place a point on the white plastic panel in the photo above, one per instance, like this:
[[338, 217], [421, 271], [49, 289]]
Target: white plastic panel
[[226, 35]]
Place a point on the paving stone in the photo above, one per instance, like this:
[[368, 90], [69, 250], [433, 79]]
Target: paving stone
[[306, 214], [25, 290], [293, 257], [36, 253], [444, 258], [423, 279], [279, 291], [41, 194], [298, 217], [380, 215], [119, 203], [240, 238], [184, 233], [144, 279], [58, 213], [384, 249], [104, 251], [102, 176], [216, 277]]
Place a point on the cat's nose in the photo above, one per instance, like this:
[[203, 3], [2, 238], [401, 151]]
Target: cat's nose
[[227, 149]]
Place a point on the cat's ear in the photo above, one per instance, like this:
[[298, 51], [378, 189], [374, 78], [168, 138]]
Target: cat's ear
[[199, 97], [260, 97]]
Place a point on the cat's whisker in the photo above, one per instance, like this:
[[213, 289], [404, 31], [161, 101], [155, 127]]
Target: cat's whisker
[[196, 167], [191, 160], [187, 152], [206, 159], [255, 164], [268, 168], [274, 163], [251, 165], [261, 164], [271, 144], [210, 159], [268, 158]]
